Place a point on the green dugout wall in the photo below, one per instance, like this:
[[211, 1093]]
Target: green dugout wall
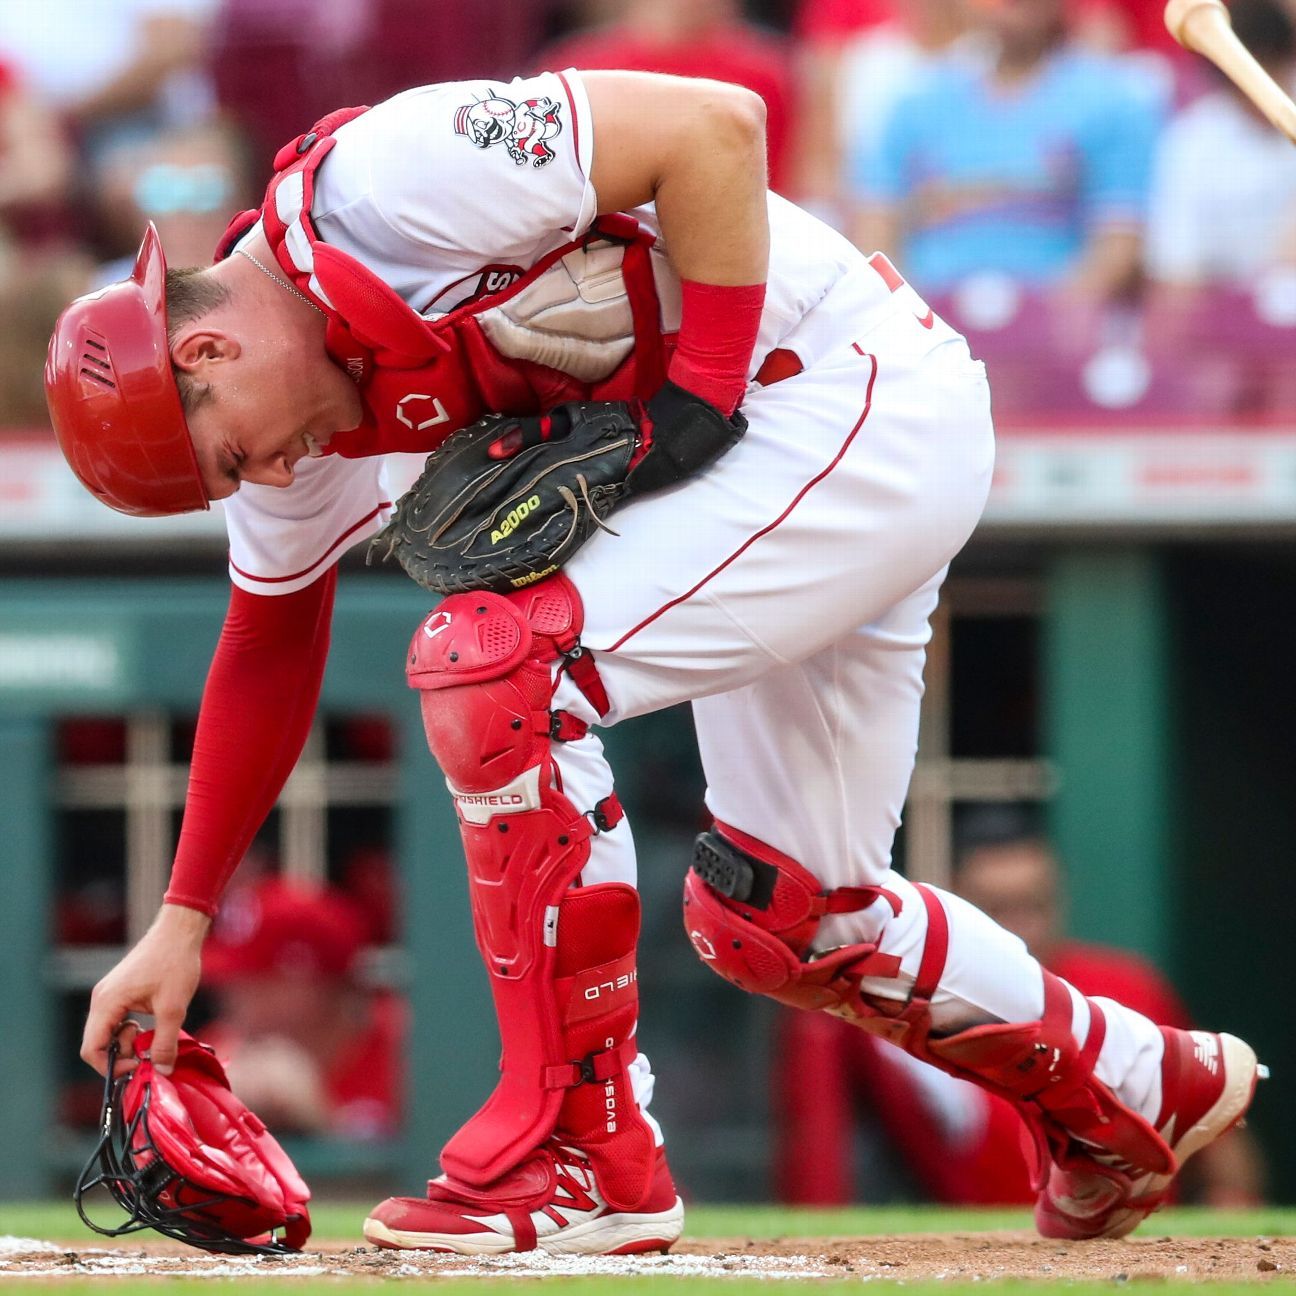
[[1169, 682], [1107, 678]]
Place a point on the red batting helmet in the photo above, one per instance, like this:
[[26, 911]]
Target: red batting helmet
[[113, 399]]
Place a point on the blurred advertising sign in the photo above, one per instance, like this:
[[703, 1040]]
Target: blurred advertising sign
[[1073, 476], [80, 662], [1089, 477], [41, 502], [49, 661]]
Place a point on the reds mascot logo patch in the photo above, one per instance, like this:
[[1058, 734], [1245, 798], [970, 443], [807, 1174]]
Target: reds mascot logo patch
[[522, 127]]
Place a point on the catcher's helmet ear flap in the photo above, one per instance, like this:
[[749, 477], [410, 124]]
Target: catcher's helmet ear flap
[[183, 1156], [113, 399]]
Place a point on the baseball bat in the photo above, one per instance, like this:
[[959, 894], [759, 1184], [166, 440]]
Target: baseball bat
[[1204, 27]]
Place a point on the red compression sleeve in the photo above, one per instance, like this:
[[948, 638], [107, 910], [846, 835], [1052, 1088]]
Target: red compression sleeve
[[718, 327], [257, 708]]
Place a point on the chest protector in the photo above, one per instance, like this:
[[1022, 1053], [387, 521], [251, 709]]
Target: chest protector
[[584, 323]]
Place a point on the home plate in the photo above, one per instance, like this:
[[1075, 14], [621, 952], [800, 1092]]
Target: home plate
[[536, 1264]]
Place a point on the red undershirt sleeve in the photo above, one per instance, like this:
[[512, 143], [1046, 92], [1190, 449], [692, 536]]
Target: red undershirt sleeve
[[717, 335], [261, 694]]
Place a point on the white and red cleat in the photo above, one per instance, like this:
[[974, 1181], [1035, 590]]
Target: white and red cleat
[[550, 1203], [1207, 1083]]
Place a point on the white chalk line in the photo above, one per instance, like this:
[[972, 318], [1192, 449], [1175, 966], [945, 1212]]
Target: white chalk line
[[33, 1258]]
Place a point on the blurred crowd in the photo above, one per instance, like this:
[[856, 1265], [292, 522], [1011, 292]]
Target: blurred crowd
[[1111, 223]]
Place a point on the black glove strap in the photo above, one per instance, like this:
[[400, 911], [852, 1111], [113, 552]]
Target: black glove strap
[[688, 434]]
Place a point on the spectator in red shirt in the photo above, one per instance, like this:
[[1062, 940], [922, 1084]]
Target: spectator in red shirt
[[836, 20], [694, 38], [306, 1045], [1018, 879], [279, 65], [960, 1145]]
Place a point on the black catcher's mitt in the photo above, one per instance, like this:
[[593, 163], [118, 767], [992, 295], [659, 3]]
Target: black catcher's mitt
[[507, 501]]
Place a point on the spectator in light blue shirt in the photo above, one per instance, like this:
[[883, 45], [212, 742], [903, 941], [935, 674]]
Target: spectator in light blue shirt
[[1033, 161]]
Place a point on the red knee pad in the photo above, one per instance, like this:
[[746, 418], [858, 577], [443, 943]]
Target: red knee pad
[[751, 913], [497, 653]]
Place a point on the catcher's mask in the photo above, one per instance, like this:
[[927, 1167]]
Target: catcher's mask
[[181, 1154]]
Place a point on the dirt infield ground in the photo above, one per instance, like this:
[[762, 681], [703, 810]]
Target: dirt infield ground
[[965, 1257]]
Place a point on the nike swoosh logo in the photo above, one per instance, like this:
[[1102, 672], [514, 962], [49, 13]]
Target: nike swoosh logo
[[926, 320]]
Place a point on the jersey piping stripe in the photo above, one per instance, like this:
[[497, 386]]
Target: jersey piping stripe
[[575, 121], [764, 531], [305, 571]]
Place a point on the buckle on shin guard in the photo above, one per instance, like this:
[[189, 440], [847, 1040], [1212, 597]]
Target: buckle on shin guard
[[733, 873], [593, 1068]]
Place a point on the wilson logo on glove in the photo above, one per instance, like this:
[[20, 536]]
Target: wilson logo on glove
[[181, 1154]]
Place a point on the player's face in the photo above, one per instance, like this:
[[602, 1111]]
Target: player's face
[[275, 405]]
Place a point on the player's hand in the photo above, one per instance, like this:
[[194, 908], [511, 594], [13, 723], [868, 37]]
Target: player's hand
[[158, 976]]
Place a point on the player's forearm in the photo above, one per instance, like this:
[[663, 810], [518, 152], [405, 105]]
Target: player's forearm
[[182, 925], [703, 164], [256, 712]]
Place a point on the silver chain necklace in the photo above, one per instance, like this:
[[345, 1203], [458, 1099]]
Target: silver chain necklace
[[283, 283]]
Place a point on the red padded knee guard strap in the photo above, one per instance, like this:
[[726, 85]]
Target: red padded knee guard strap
[[935, 947]]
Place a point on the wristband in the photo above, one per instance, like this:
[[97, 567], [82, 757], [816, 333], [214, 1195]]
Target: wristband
[[717, 335]]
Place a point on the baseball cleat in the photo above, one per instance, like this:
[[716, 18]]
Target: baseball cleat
[[1207, 1083], [550, 1203]]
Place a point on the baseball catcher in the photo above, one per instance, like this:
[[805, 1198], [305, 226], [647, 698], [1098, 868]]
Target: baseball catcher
[[564, 289]]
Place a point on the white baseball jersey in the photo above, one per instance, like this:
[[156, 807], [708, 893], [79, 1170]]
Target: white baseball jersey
[[447, 192]]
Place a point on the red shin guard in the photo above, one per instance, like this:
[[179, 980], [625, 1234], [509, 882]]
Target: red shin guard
[[752, 915], [561, 969], [597, 994]]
